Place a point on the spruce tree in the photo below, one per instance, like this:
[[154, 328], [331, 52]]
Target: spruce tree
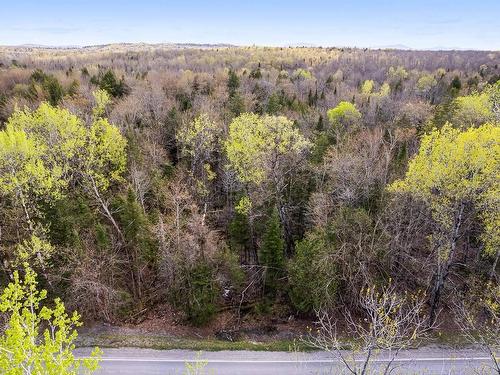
[[271, 254]]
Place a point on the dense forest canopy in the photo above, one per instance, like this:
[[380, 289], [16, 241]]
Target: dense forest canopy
[[260, 181]]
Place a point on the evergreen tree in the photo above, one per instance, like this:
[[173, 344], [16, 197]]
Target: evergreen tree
[[233, 83], [271, 254]]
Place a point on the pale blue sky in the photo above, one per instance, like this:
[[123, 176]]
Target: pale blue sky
[[363, 23]]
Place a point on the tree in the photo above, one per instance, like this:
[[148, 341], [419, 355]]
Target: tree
[[108, 81], [494, 94], [472, 110], [426, 84], [50, 84], [200, 140], [51, 146], [35, 150], [266, 149], [367, 87], [455, 173], [344, 118], [256, 144], [39, 340], [391, 322], [272, 254], [479, 321], [233, 83], [313, 274], [45, 153], [396, 76]]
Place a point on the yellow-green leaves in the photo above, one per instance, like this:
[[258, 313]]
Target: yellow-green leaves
[[454, 167], [256, 143], [302, 74], [397, 73], [34, 246], [102, 99], [199, 136], [472, 110], [345, 116], [23, 170], [367, 87], [244, 206], [38, 339], [426, 83], [106, 159], [41, 151]]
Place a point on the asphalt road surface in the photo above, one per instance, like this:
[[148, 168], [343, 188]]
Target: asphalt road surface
[[426, 361]]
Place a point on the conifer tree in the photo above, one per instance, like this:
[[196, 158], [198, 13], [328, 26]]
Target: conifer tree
[[271, 254]]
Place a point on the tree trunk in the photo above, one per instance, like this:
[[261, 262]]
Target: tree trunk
[[287, 233]]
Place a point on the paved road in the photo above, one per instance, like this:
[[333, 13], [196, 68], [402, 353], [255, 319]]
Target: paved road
[[428, 361]]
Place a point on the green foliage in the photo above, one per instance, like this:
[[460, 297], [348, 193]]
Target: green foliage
[[41, 149], [256, 73], [39, 340], [455, 85], [313, 278], [105, 159], [131, 217], [233, 82], [199, 294], [367, 87], [108, 81], [201, 136], [344, 117], [272, 255], [67, 218], [255, 141], [102, 99], [24, 174], [239, 232], [456, 167], [275, 103], [43, 153], [426, 83], [236, 104], [472, 110], [396, 76], [50, 85], [302, 74], [321, 145]]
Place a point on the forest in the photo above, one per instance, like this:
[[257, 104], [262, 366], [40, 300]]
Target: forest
[[259, 184]]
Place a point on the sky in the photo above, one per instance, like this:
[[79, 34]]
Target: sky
[[420, 24]]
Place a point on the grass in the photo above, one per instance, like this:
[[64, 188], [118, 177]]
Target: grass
[[168, 343], [165, 342]]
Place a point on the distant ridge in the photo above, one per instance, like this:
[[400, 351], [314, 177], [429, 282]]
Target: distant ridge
[[97, 46], [399, 47]]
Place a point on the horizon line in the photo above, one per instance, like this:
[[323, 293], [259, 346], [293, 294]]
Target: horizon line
[[397, 47]]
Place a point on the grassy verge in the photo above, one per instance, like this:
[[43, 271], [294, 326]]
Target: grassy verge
[[112, 340], [167, 343]]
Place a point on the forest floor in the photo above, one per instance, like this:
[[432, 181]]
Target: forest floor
[[225, 332]]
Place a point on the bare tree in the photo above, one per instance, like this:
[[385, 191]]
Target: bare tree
[[480, 323], [390, 323]]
